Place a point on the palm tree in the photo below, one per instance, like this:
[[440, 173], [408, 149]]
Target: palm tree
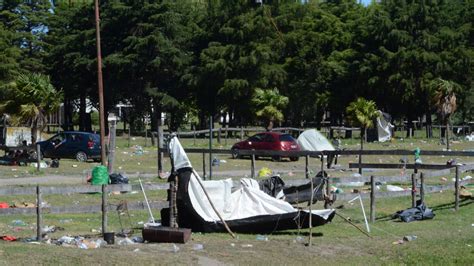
[[444, 99], [29, 99], [362, 113], [269, 104]]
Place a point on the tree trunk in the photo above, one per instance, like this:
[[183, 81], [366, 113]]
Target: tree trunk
[[362, 136], [447, 134], [270, 125], [429, 127], [82, 112]]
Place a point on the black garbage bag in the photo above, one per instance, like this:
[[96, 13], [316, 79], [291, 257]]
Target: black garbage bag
[[118, 179], [54, 163], [272, 186], [420, 212]]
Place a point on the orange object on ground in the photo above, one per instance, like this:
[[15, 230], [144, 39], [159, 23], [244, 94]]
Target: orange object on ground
[[4, 205], [8, 238]]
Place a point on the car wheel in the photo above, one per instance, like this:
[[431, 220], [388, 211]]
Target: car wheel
[[81, 156], [235, 153], [294, 159], [276, 158]]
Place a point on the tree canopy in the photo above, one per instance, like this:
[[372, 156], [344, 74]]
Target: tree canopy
[[208, 58]]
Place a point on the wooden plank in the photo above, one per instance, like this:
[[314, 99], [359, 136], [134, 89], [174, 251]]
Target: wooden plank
[[467, 167], [79, 189], [132, 206], [400, 166], [372, 199], [437, 173]]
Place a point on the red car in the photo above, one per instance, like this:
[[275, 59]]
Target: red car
[[268, 141]]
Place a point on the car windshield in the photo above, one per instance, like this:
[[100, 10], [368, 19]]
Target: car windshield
[[287, 137]]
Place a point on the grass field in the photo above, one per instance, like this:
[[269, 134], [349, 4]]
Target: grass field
[[445, 240]]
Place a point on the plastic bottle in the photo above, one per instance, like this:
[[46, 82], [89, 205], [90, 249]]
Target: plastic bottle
[[262, 238]]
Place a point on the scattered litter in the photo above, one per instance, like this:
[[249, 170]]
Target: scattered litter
[[290, 174], [232, 244], [223, 161], [141, 222], [264, 172], [136, 250], [18, 223], [451, 162], [198, 247], [467, 177], [66, 240], [444, 179], [470, 137], [398, 242], [394, 188], [137, 239], [126, 241], [355, 184], [4, 205], [42, 165], [246, 245], [262, 238], [299, 239], [420, 212], [138, 150], [8, 238], [74, 166], [409, 238], [356, 175], [175, 248]]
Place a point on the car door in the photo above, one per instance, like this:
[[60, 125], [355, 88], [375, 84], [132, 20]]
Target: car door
[[56, 147], [268, 142], [255, 143], [73, 144]]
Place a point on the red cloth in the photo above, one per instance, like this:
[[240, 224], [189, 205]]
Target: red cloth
[[8, 238], [4, 205]]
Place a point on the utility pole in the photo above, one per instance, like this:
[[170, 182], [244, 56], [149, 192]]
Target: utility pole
[[100, 85]]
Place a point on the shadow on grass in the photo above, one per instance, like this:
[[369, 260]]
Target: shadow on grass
[[305, 233]]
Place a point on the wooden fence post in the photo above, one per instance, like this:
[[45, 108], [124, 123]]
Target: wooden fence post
[[413, 190], [204, 166], [456, 189], [226, 134], [38, 157], [39, 217], [422, 187], [252, 166], [307, 166], [372, 199], [104, 209]]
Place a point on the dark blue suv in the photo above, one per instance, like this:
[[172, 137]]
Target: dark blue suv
[[81, 146]]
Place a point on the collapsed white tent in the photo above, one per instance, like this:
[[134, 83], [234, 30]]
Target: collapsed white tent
[[246, 202], [313, 140]]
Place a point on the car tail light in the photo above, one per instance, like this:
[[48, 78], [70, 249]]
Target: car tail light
[[90, 144]]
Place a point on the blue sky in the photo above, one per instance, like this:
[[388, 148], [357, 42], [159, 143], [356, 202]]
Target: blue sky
[[366, 2]]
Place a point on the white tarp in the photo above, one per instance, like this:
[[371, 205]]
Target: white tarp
[[384, 128], [245, 202], [313, 140]]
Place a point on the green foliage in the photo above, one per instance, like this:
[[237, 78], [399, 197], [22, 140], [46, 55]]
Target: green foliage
[[444, 97], [362, 113], [29, 99], [269, 104]]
